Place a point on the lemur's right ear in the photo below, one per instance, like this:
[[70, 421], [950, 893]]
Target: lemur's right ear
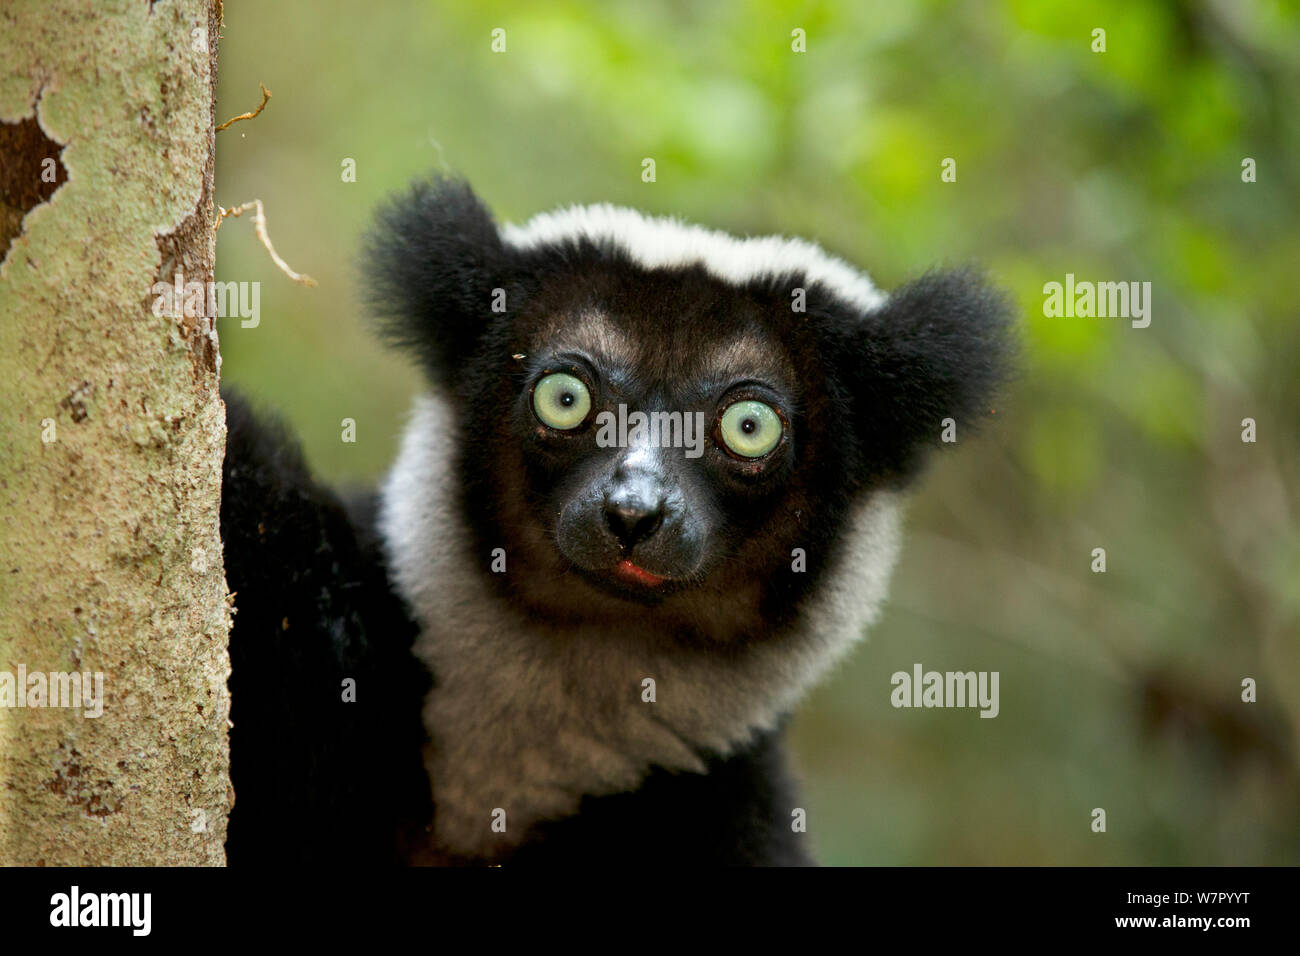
[[430, 264]]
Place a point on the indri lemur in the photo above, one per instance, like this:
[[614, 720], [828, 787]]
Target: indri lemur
[[505, 599]]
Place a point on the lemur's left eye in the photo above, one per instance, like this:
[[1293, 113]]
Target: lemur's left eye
[[750, 429], [561, 401]]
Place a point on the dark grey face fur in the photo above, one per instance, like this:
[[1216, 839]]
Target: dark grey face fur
[[659, 509]]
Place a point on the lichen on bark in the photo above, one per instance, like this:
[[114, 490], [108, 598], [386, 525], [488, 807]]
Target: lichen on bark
[[111, 440]]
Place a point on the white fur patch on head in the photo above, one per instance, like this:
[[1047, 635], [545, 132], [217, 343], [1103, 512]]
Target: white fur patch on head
[[658, 242]]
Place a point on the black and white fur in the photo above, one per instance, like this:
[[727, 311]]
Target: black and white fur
[[535, 705]]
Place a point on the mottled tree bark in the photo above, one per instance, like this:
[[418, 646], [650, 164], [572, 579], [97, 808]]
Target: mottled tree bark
[[111, 438]]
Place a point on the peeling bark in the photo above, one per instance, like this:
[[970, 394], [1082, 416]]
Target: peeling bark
[[111, 436]]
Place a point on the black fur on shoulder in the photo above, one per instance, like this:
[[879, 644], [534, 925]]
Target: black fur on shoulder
[[316, 779]]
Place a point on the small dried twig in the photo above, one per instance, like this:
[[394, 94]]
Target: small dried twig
[[259, 225], [266, 95]]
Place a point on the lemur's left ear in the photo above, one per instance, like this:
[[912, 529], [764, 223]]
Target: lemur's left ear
[[937, 349], [430, 264]]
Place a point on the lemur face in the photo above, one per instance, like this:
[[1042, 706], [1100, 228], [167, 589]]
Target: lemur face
[[668, 428], [660, 420]]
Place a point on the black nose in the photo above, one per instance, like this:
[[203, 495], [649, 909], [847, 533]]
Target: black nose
[[632, 522]]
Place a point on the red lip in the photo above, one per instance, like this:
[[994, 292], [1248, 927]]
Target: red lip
[[628, 571]]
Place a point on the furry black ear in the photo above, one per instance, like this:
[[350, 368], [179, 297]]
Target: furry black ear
[[430, 264], [937, 349]]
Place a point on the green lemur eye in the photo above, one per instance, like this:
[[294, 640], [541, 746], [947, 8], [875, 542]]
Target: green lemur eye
[[561, 401], [751, 429]]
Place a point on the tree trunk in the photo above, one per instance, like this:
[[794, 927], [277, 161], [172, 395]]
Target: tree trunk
[[111, 438]]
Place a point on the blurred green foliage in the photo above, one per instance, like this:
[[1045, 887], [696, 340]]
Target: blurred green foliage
[[1119, 690]]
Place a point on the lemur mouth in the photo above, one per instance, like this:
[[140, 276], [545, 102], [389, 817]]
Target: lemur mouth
[[628, 572], [631, 582]]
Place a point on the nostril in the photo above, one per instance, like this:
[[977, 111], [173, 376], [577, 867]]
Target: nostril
[[631, 523]]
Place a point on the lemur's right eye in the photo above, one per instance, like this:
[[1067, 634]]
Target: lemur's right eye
[[561, 401]]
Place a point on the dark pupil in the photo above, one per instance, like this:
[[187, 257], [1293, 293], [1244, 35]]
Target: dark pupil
[[566, 399], [748, 426]]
